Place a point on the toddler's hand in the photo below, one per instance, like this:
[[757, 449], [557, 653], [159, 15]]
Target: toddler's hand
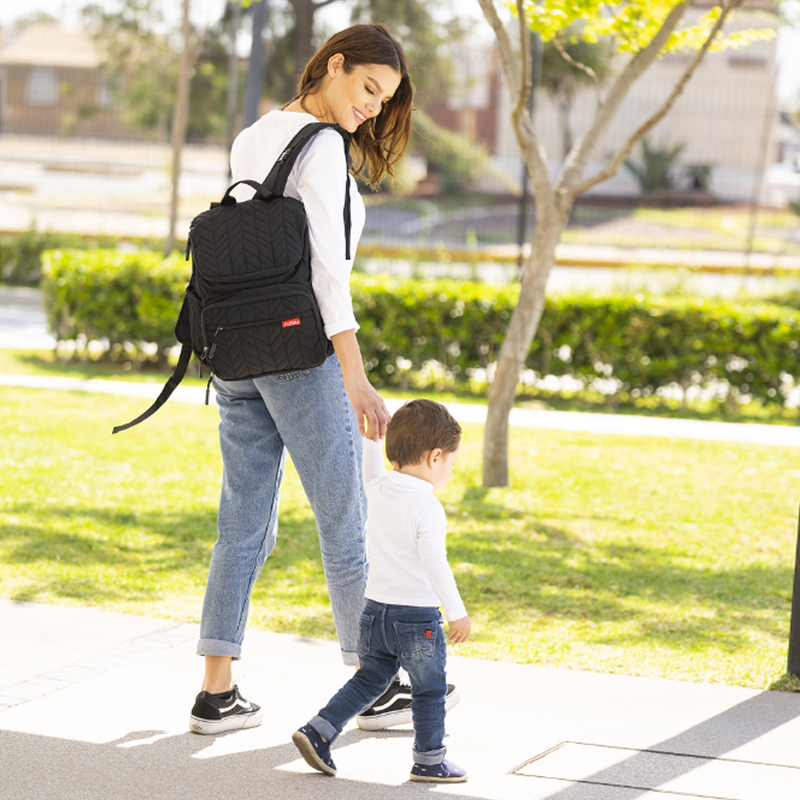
[[459, 630]]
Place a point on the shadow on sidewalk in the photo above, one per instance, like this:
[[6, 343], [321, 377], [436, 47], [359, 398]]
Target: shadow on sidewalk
[[152, 765], [696, 747]]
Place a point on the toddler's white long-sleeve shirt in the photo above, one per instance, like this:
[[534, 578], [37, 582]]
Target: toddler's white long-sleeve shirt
[[318, 180], [407, 529]]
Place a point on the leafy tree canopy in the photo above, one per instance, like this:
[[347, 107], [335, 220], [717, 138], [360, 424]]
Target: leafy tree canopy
[[631, 24]]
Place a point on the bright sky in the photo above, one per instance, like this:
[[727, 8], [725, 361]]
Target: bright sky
[[207, 10]]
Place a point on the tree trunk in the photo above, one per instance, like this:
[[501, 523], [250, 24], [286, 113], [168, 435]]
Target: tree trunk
[[233, 73], [254, 83], [180, 122], [550, 222], [304, 34]]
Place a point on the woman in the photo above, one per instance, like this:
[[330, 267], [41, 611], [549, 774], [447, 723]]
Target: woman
[[359, 80]]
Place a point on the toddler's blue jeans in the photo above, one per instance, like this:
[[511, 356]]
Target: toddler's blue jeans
[[389, 637]]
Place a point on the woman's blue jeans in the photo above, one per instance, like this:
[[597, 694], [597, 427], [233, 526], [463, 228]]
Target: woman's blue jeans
[[308, 414], [389, 637]]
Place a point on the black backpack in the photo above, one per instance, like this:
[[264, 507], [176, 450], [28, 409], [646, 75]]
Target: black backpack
[[249, 309]]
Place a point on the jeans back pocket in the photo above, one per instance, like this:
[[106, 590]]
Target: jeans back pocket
[[416, 641]]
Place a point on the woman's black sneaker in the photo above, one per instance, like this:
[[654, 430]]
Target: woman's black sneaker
[[393, 707], [215, 713]]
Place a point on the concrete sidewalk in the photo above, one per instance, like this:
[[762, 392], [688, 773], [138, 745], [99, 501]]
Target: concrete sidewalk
[[95, 705]]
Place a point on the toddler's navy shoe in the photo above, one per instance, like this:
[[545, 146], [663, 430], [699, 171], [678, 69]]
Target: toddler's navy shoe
[[445, 772], [315, 751]]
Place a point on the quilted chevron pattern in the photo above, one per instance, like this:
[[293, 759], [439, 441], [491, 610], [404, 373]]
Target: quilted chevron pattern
[[264, 335], [251, 240]]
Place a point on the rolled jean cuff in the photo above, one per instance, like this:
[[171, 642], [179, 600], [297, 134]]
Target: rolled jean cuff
[[324, 728], [429, 759], [218, 647], [350, 658]]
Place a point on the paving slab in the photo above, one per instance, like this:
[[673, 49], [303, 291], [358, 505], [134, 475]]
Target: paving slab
[[37, 639]]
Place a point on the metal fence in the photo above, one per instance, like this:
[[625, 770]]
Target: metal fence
[[75, 157]]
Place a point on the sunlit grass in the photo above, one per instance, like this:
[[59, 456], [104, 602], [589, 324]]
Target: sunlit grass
[[644, 556]]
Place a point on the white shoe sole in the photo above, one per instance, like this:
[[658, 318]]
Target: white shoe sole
[[208, 727], [391, 719], [421, 779]]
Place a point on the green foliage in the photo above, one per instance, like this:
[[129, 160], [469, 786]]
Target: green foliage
[[142, 64], [459, 161], [450, 330], [649, 343], [409, 326], [632, 24], [448, 333], [126, 299], [587, 63], [655, 175], [21, 253]]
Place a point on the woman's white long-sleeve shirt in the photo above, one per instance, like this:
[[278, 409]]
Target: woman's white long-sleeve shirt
[[407, 528], [318, 180]]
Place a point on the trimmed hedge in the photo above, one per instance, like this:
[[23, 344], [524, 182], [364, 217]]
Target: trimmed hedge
[[127, 299], [643, 343], [447, 332], [21, 253]]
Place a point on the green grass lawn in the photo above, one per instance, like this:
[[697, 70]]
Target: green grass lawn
[[643, 556]]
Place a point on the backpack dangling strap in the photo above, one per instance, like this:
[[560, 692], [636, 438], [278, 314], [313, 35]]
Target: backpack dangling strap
[[169, 388]]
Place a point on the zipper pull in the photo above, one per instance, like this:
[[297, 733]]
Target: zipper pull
[[208, 387]]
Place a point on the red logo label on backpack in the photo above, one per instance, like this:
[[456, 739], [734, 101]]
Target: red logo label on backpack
[[287, 323]]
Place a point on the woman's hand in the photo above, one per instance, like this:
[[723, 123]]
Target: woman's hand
[[371, 412]]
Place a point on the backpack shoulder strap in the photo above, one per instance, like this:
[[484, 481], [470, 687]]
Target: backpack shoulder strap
[[275, 182]]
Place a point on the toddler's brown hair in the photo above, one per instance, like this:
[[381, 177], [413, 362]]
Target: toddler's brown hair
[[418, 427]]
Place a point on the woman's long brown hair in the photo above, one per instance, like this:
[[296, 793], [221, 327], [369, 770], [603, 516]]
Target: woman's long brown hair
[[379, 142]]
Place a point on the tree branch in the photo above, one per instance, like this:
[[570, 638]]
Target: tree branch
[[559, 45], [521, 85], [526, 82], [582, 152], [507, 57], [617, 161]]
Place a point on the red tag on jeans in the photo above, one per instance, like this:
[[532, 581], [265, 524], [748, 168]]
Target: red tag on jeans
[[428, 634], [288, 323]]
